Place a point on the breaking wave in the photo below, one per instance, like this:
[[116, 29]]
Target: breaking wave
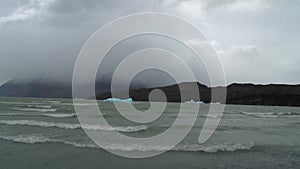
[[33, 139], [40, 106], [271, 114], [52, 102], [18, 103], [77, 104], [60, 115], [38, 110], [74, 126], [229, 147]]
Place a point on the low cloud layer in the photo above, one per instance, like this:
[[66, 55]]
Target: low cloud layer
[[257, 40]]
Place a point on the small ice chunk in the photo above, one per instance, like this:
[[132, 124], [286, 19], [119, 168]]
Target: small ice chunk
[[192, 101], [118, 100]]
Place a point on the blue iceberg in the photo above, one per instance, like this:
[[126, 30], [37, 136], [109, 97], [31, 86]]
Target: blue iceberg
[[119, 100]]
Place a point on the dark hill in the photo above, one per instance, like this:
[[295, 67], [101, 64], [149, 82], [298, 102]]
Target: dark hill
[[246, 94]]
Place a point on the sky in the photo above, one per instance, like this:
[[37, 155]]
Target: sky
[[257, 41]]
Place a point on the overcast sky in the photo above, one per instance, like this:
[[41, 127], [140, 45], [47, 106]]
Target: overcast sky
[[256, 40]]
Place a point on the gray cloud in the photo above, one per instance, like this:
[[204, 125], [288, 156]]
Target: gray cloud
[[257, 40]]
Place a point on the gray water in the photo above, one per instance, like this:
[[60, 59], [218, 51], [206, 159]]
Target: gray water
[[45, 133]]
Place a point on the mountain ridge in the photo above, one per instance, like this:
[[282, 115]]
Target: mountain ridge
[[237, 93]]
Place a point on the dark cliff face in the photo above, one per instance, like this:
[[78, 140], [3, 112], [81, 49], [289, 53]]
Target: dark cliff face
[[247, 94], [172, 93], [274, 94]]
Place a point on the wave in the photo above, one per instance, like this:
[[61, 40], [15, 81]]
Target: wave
[[32, 139], [192, 116], [18, 114], [61, 115], [54, 115], [271, 114], [12, 114], [212, 116], [229, 147], [40, 106], [74, 126], [52, 102], [77, 104], [19, 103], [226, 147], [38, 110]]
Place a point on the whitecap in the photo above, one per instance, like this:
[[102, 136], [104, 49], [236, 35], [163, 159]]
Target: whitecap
[[52, 102], [40, 106], [60, 115], [226, 147], [271, 114], [118, 128], [29, 139], [40, 124], [18, 103], [32, 139], [74, 126], [32, 109]]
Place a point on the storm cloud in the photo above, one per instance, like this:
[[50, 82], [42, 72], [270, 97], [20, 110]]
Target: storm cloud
[[256, 40]]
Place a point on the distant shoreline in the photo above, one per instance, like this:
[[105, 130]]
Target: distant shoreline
[[28, 97], [237, 94]]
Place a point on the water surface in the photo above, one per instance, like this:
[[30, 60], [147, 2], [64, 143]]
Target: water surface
[[45, 133]]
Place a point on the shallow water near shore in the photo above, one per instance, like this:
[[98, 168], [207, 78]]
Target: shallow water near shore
[[45, 133]]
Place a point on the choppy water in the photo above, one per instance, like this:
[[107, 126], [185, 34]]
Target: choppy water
[[45, 133]]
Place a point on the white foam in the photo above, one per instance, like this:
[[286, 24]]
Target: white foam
[[40, 124], [60, 115], [212, 116], [52, 102], [32, 139], [229, 147], [38, 110], [226, 147], [40, 106], [29, 139], [270, 114], [74, 126], [18, 103], [77, 104], [199, 115], [120, 129]]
